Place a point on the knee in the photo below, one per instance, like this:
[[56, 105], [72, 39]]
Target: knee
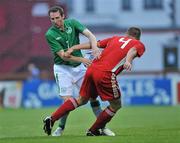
[[115, 105], [65, 98], [81, 101], [118, 106]]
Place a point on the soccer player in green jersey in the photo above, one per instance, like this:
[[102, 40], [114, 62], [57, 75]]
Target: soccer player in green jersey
[[63, 34]]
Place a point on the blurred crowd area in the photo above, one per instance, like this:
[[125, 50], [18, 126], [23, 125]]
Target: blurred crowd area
[[23, 24]]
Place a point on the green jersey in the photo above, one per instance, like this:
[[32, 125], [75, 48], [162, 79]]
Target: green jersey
[[62, 40]]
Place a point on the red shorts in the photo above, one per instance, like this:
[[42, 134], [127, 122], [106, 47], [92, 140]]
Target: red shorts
[[100, 83]]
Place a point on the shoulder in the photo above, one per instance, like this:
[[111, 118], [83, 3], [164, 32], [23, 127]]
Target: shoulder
[[140, 46], [49, 32], [71, 21], [118, 37], [115, 37], [141, 43]]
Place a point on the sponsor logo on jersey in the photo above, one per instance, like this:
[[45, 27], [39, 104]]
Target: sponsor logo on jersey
[[68, 30], [58, 38]]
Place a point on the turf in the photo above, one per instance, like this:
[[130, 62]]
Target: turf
[[143, 124]]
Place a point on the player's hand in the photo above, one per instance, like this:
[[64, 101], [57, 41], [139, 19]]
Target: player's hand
[[96, 52], [67, 55], [128, 66], [69, 51], [86, 62]]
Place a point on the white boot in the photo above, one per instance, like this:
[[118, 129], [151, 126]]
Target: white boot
[[107, 132], [57, 132]]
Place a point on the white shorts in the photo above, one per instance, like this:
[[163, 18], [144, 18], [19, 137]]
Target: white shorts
[[67, 77]]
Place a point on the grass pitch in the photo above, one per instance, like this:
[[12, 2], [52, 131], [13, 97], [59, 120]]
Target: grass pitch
[[143, 124]]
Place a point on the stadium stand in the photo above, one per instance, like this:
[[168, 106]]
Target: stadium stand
[[21, 35]]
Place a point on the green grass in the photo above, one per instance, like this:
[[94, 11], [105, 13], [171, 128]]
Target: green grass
[[143, 124]]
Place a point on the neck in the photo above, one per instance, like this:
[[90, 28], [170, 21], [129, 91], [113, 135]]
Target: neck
[[131, 37], [62, 27]]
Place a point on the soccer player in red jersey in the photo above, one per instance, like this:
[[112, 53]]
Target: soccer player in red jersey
[[100, 78]]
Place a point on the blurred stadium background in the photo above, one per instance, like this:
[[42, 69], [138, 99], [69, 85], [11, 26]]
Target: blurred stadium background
[[26, 79]]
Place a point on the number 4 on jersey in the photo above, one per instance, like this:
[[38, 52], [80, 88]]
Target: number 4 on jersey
[[125, 42]]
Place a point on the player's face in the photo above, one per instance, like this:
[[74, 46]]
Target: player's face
[[56, 19]]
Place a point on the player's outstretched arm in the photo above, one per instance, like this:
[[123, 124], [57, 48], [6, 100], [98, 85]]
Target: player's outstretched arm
[[66, 57], [96, 52], [77, 47]]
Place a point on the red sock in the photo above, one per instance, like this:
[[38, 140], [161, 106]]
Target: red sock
[[66, 107], [102, 119]]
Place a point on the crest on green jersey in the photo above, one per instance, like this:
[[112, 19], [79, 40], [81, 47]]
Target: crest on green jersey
[[69, 30]]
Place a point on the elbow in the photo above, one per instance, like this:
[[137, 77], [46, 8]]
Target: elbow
[[91, 36], [134, 52]]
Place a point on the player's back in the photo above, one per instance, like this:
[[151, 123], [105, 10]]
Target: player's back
[[114, 54]]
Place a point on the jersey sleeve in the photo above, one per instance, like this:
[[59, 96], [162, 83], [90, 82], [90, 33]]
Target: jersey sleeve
[[78, 26], [103, 43], [54, 45], [140, 49]]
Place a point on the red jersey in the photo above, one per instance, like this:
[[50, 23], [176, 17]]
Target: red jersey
[[115, 52]]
